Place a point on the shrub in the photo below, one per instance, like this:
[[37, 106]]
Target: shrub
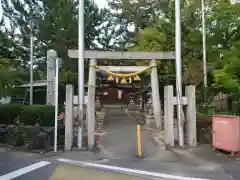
[[28, 114], [16, 135], [9, 113], [43, 114]]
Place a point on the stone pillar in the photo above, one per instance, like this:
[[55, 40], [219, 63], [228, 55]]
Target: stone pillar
[[100, 114], [168, 115], [132, 106], [98, 106], [91, 104], [155, 94], [141, 98], [150, 121], [191, 116], [134, 110], [69, 118], [51, 63]]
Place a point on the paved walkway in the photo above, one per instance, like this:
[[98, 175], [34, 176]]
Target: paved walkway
[[121, 142]]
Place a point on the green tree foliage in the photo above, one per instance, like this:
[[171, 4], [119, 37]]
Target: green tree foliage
[[5, 45], [132, 17], [54, 25], [140, 25], [159, 34], [153, 29], [58, 28], [8, 77], [227, 79]]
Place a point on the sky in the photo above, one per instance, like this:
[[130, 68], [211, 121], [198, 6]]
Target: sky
[[101, 3], [0, 10]]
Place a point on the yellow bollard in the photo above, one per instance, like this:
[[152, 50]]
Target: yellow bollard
[[139, 145]]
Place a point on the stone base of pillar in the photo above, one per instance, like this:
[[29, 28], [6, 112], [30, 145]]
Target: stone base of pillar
[[99, 115], [99, 125], [149, 114], [132, 106], [133, 110], [150, 121]]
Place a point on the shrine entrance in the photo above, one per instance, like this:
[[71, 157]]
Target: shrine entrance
[[125, 75], [122, 75]]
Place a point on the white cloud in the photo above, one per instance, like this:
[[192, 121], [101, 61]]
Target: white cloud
[[1, 11], [101, 3], [235, 1]]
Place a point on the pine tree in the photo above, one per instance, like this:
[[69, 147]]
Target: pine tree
[[54, 25]]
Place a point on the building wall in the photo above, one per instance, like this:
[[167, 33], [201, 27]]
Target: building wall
[[110, 95]]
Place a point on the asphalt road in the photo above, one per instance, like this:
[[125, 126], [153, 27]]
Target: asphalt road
[[86, 165], [118, 163], [13, 161], [21, 166]]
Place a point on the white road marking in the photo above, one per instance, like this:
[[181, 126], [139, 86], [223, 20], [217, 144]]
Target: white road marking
[[24, 170], [129, 171]]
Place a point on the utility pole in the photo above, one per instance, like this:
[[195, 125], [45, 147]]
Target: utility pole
[[80, 70], [31, 63], [178, 71], [56, 103], [204, 45]]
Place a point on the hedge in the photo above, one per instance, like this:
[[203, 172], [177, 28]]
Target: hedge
[[9, 113], [27, 114]]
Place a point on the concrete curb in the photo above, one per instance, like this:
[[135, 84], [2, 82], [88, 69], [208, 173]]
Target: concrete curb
[[159, 143], [104, 152], [189, 156]]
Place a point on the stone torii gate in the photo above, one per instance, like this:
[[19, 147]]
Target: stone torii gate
[[94, 55]]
